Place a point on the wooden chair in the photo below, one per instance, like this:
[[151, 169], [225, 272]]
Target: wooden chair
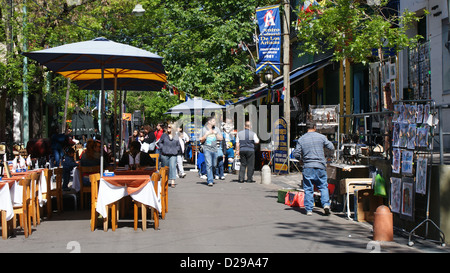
[[5, 225], [57, 192], [164, 171], [137, 205], [34, 203], [86, 171], [156, 157], [95, 179], [22, 209]]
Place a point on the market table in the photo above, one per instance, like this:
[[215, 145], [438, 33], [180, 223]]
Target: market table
[[113, 188]]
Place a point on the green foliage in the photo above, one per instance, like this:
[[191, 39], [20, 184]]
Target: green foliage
[[352, 29]]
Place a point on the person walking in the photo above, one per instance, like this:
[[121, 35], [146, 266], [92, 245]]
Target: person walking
[[245, 149], [310, 150], [210, 135], [169, 149], [184, 139]]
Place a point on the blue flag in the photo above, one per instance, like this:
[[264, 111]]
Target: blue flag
[[269, 38]]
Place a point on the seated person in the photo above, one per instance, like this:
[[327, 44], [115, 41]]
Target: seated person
[[90, 157], [135, 159]]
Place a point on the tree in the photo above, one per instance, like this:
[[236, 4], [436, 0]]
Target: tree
[[352, 29]]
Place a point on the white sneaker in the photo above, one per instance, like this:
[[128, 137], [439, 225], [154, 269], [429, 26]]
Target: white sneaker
[[216, 177], [204, 177], [309, 213]]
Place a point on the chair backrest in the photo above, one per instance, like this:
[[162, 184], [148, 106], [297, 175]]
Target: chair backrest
[[58, 177], [48, 179], [155, 179], [26, 191], [86, 171], [35, 180], [164, 171], [156, 157], [94, 179], [6, 169]]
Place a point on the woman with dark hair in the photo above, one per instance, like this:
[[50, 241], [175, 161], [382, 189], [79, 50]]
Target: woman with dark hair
[[169, 149]]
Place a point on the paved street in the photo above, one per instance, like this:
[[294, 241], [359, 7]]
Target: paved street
[[229, 217]]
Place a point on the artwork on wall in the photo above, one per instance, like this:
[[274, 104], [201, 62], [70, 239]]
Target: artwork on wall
[[407, 161], [422, 136], [396, 160], [396, 194], [421, 174], [411, 136], [407, 207]]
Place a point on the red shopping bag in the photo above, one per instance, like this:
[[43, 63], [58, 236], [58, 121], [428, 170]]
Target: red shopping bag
[[295, 199]]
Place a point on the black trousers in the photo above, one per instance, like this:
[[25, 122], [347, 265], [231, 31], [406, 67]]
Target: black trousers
[[247, 160]]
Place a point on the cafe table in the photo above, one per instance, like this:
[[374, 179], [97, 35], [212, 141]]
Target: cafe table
[[138, 187], [16, 191]]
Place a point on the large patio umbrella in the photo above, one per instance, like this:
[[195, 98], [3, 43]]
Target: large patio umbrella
[[101, 59], [194, 106]]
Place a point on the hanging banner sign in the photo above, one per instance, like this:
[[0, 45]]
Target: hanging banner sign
[[269, 38], [280, 146]]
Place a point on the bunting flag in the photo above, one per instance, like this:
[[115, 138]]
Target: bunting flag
[[269, 39]]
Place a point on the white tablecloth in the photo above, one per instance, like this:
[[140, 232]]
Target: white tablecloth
[[6, 201], [108, 194]]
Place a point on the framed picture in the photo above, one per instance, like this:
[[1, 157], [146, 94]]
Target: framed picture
[[426, 112], [396, 157], [392, 71], [411, 135], [403, 135], [396, 114], [419, 113], [405, 113], [412, 114], [396, 134], [421, 175], [407, 207], [396, 194], [422, 136], [407, 160]]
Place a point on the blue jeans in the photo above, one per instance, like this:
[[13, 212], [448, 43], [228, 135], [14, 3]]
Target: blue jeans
[[211, 162], [318, 177], [220, 167], [171, 161]]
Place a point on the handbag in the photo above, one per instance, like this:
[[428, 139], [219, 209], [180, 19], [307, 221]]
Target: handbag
[[236, 164], [295, 199], [145, 147]]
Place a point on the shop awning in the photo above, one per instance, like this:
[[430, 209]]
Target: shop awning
[[294, 77]]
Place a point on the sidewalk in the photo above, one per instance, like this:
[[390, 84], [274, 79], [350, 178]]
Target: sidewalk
[[229, 217]]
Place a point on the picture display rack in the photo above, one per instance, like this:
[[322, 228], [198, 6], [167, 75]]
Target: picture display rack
[[412, 158]]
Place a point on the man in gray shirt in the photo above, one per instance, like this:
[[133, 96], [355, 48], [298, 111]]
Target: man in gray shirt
[[245, 148], [310, 149]]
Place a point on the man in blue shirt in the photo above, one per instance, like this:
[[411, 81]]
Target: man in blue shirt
[[310, 149]]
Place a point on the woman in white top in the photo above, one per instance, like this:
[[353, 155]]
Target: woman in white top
[[183, 138]]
